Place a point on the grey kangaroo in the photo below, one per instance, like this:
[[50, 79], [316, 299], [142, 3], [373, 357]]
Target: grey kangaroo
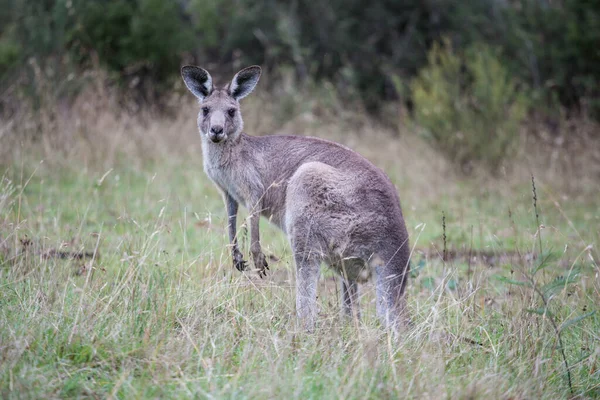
[[333, 204]]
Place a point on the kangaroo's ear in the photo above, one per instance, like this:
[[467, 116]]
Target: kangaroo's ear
[[244, 82], [197, 80]]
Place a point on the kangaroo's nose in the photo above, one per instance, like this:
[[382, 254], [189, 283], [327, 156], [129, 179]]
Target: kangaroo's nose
[[216, 129]]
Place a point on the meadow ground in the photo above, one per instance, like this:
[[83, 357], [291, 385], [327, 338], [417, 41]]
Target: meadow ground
[[116, 279]]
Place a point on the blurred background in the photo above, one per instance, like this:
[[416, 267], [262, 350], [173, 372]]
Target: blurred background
[[487, 84]]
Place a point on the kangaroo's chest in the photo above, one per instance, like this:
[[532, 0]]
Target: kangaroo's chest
[[228, 181], [248, 186]]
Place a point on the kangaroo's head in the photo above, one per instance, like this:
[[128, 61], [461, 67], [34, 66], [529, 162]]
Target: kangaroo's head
[[219, 119]]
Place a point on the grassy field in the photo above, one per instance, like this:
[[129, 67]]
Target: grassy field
[[115, 280]]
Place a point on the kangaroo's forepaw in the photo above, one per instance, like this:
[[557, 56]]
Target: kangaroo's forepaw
[[260, 262], [238, 261]]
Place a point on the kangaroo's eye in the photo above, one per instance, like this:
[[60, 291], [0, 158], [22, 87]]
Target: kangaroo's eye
[[205, 111], [231, 112]]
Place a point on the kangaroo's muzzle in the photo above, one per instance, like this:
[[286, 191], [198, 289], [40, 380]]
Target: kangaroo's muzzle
[[216, 134]]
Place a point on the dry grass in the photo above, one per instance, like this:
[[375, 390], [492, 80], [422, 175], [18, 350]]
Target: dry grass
[[155, 308]]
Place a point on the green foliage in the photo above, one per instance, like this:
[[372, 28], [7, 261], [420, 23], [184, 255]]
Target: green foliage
[[9, 54], [105, 29], [558, 49], [552, 46], [132, 36], [362, 47], [468, 105]]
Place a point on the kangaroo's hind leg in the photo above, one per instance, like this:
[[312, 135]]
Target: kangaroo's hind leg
[[308, 206], [391, 277], [308, 262], [307, 278]]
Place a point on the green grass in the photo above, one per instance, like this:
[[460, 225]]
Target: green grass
[[159, 312]]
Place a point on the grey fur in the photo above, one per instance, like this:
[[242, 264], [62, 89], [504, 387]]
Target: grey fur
[[335, 206]]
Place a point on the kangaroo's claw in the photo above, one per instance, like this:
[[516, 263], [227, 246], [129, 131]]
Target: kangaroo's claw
[[260, 262], [238, 260]]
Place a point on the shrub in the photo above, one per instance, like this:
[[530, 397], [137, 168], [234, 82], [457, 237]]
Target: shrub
[[468, 105], [9, 54]]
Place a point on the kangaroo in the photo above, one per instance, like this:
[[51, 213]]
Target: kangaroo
[[334, 205]]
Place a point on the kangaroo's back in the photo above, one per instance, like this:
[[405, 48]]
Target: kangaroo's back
[[277, 158]]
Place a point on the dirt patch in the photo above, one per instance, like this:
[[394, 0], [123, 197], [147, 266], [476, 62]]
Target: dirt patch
[[489, 258]]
